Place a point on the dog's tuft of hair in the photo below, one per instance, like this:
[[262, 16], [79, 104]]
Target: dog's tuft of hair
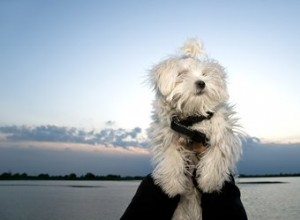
[[193, 48]]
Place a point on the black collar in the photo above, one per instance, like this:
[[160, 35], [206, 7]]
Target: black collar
[[181, 126]]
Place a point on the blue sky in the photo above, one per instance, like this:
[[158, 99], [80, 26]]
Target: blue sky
[[83, 64]]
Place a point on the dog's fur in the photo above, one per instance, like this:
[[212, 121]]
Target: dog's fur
[[174, 158]]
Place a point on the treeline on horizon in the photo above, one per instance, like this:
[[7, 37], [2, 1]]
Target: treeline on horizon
[[91, 176], [72, 176]]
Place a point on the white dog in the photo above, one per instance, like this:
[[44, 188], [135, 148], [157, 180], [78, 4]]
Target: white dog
[[194, 134]]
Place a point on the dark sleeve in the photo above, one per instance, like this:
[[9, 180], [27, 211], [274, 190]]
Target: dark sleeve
[[150, 202], [223, 205]]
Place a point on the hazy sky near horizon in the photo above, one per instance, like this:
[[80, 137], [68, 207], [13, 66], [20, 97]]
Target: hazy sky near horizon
[[83, 63]]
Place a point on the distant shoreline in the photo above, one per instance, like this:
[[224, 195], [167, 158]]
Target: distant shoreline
[[110, 177], [269, 175], [262, 182], [72, 176]]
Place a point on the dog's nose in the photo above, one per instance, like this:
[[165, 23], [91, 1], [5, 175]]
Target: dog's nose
[[200, 84]]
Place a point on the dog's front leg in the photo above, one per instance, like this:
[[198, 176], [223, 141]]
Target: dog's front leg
[[212, 170], [218, 161], [170, 166]]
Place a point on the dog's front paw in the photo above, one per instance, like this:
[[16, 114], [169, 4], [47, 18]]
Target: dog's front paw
[[212, 171], [171, 183], [211, 183]]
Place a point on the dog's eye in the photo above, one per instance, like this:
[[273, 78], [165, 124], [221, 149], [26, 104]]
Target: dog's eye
[[204, 74], [181, 73]]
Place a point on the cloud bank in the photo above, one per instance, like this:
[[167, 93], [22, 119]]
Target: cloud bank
[[51, 133], [62, 150]]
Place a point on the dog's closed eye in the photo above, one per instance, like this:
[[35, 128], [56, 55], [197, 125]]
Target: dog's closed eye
[[182, 73]]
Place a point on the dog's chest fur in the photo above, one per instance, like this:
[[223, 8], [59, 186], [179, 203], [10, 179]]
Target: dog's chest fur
[[193, 150], [210, 127]]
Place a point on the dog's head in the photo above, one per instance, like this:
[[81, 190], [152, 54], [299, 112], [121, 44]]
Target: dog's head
[[190, 83]]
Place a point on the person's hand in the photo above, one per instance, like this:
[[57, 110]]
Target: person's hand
[[225, 204], [150, 202]]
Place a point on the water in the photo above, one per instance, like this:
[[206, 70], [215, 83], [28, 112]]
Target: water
[[64, 200], [272, 201], [107, 200]]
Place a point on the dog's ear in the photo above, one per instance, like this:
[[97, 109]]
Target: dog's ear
[[163, 76], [192, 48]]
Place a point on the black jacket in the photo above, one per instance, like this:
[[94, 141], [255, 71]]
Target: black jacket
[[150, 202]]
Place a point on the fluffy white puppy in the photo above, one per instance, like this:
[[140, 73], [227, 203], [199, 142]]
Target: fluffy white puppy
[[194, 134]]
